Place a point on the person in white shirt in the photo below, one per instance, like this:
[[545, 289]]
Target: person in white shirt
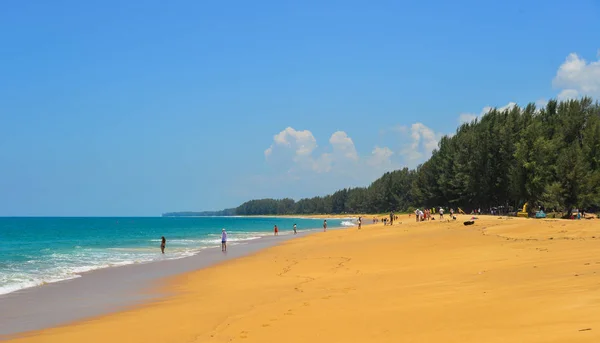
[[223, 240]]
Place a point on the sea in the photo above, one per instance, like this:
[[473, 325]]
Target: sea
[[36, 251]]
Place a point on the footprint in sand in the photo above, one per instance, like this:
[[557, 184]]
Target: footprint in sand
[[266, 325]]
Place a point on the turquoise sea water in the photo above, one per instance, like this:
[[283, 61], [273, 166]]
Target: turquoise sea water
[[34, 251]]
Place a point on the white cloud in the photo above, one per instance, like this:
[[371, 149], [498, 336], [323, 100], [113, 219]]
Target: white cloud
[[296, 150], [302, 142], [568, 94], [508, 106], [469, 117], [576, 77], [422, 135], [339, 164], [381, 157], [419, 144], [322, 164], [343, 145]]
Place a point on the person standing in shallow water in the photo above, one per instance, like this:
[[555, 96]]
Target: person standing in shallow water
[[294, 229], [325, 225], [163, 243], [223, 240], [276, 230]]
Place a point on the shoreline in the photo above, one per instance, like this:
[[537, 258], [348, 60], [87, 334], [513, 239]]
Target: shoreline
[[184, 247], [113, 289], [502, 279], [289, 216]]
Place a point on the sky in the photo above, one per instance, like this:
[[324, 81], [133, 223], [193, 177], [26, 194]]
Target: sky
[[136, 108]]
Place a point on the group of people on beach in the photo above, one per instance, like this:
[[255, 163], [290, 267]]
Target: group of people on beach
[[428, 214], [163, 241], [386, 220], [295, 228], [224, 236]]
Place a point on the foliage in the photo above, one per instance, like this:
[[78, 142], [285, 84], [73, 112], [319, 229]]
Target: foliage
[[547, 157]]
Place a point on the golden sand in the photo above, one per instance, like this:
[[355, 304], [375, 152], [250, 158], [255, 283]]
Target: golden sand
[[500, 280]]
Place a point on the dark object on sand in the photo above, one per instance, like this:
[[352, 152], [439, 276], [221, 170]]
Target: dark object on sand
[[469, 222]]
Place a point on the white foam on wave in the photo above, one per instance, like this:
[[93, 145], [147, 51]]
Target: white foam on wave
[[58, 266], [18, 281], [65, 266]]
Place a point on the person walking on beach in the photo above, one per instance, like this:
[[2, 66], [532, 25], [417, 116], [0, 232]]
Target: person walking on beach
[[223, 240], [163, 243], [325, 225], [276, 230], [441, 213], [391, 218], [294, 229], [359, 222]]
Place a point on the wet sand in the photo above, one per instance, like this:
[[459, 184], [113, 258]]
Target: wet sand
[[108, 290], [499, 280]]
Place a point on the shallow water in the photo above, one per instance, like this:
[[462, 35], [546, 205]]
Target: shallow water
[[35, 251]]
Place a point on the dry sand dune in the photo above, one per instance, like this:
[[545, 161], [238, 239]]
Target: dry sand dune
[[500, 280]]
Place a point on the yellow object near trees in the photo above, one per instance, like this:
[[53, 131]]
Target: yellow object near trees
[[524, 212]]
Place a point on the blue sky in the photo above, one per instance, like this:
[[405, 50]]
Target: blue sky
[[142, 107]]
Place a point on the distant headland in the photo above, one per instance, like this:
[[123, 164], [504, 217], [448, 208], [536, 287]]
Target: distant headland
[[222, 213]]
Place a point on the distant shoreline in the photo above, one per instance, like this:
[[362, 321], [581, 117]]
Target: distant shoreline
[[299, 216]]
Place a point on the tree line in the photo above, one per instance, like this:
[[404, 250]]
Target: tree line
[[546, 157]]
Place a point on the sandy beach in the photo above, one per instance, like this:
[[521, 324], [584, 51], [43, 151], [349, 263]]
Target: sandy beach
[[500, 280]]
